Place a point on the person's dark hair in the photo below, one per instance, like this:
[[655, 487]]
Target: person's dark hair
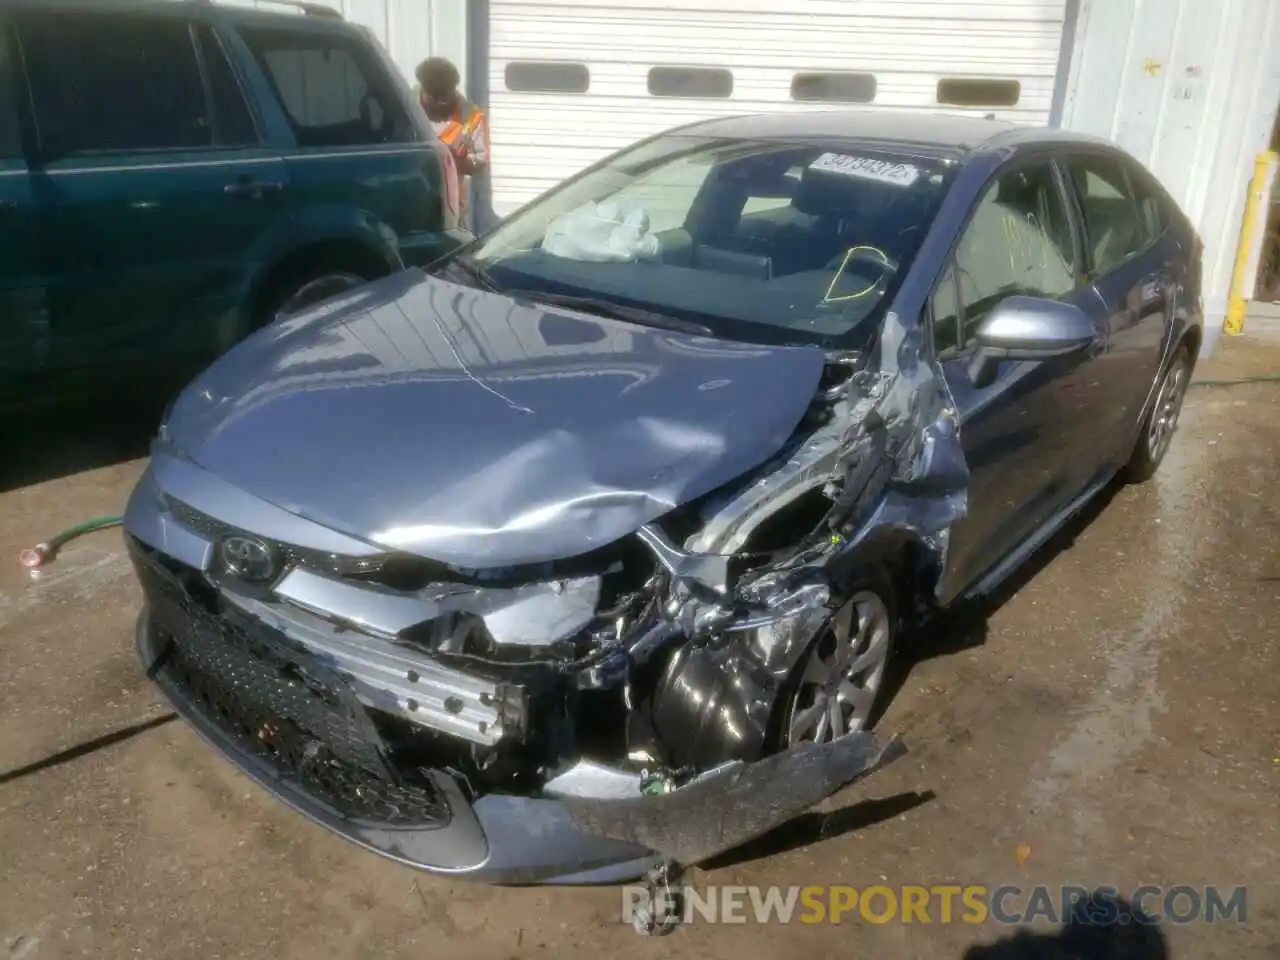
[[437, 77]]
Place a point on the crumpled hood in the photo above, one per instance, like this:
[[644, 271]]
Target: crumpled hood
[[480, 431]]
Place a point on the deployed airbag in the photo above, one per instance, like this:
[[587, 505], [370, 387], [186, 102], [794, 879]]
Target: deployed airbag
[[604, 232]]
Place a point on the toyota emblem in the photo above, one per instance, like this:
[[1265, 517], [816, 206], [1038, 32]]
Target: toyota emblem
[[248, 558]]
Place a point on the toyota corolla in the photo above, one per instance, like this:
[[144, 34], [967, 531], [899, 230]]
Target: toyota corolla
[[588, 547]]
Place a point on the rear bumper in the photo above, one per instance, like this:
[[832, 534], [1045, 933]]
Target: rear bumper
[[497, 839]]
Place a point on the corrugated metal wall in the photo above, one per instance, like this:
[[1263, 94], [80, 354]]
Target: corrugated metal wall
[[902, 47], [411, 30], [1191, 88]]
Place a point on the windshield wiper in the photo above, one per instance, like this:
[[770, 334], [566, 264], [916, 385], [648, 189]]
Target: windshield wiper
[[472, 272], [614, 311]]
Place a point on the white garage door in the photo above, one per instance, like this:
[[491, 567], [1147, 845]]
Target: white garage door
[[571, 82]]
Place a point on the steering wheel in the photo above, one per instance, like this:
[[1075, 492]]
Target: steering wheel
[[883, 264]]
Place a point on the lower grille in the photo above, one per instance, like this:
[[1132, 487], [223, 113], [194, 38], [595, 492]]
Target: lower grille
[[282, 706]]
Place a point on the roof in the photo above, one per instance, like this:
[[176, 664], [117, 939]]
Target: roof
[[276, 10], [946, 133]]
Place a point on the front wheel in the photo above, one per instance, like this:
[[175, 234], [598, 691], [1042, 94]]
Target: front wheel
[[837, 686], [1162, 420]]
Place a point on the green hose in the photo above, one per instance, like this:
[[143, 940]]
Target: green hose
[[80, 529], [43, 553]]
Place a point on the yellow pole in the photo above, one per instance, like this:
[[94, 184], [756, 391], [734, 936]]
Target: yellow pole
[[1233, 325]]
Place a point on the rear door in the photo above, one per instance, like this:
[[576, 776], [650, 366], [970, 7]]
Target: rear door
[[1017, 432], [1130, 262], [360, 152], [24, 318], [155, 195]]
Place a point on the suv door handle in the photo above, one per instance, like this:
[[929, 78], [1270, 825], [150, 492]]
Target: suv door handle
[[253, 189], [8, 206]]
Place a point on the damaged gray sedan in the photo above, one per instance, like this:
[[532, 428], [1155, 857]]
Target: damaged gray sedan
[[587, 549]]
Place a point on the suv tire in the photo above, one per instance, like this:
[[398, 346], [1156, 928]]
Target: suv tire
[[298, 293]]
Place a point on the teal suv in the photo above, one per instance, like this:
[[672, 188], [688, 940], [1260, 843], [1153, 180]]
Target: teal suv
[[175, 174]]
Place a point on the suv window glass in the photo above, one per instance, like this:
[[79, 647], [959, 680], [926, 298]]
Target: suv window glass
[[232, 120], [1112, 221], [1018, 243], [333, 89], [10, 131], [107, 82]]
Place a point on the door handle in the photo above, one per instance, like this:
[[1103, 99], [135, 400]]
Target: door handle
[[254, 189], [8, 206]]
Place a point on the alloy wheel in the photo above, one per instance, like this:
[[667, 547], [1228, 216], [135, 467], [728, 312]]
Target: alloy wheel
[[1165, 413], [843, 674]]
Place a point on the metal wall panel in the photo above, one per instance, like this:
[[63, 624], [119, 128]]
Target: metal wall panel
[[411, 30], [1191, 88], [908, 45]]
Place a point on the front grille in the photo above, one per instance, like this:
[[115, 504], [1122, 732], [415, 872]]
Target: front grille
[[283, 706], [409, 572], [318, 560]]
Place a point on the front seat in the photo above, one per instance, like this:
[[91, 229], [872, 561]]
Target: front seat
[[831, 200]]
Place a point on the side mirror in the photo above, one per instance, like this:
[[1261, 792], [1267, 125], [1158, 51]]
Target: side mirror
[[1028, 328]]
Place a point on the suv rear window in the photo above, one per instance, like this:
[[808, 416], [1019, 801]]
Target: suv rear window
[[333, 89], [108, 82]]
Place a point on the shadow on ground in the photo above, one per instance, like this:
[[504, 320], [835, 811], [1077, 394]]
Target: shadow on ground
[[814, 827], [48, 445], [1099, 928]]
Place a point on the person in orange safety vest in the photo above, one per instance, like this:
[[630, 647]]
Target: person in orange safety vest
[[460, 124]]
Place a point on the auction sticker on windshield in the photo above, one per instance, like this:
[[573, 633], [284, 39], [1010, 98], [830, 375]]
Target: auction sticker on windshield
[[867, 168]]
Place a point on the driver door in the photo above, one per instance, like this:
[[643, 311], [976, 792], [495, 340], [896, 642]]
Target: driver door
[[24, 315], [1019, 240]]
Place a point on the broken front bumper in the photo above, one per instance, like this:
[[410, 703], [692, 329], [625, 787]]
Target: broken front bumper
[[293, 713], [499, 839], [533, 840]]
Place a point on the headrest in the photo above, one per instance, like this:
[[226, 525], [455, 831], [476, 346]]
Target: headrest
[[822, 194]]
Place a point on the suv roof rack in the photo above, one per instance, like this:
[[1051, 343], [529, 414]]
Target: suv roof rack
[[310, 9]]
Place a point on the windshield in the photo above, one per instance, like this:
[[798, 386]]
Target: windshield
[[761, 241]]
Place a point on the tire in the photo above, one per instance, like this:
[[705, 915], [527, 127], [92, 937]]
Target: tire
[[819, 689], [1161, 421], [296, 293]]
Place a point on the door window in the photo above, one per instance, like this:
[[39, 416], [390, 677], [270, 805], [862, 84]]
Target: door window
[[106, 82], [1150, 205], [1112, 220], [332, 89], [233, 124], [10, 130], [945, 313], [1017, 244]]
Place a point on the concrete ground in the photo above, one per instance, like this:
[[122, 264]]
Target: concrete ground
[[1115, 721]]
